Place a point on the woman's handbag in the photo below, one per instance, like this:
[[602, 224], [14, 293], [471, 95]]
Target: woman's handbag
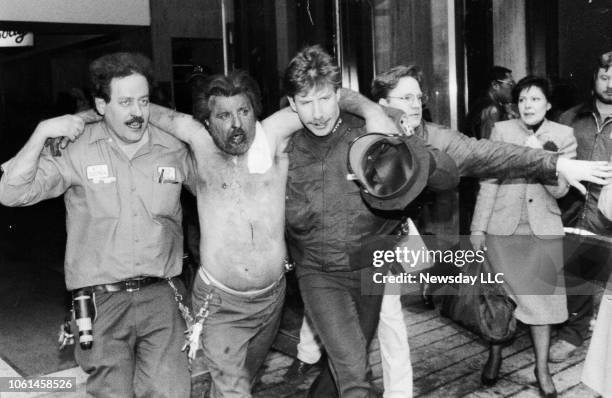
[[482, 308]]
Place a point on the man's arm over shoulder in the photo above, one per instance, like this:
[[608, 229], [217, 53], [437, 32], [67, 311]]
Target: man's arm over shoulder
[[33, 174], [180, 125], [280, 126]]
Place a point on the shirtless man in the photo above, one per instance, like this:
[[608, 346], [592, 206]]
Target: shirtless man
[[242, 172]]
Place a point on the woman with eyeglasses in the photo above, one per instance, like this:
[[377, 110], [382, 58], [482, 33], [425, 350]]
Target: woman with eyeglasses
[[519, 222]]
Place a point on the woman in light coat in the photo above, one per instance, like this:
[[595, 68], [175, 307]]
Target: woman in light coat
[[520, 222]]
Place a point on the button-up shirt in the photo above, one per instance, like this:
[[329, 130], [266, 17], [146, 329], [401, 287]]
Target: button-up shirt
[[123, 216]]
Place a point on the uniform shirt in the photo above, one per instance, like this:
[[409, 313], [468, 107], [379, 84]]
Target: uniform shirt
[[123, 217]]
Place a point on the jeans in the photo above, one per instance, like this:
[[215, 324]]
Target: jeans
[[345, 321], [237, 334]]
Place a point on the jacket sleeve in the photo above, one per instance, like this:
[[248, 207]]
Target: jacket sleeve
[[443, 171], [488, 159], [567, 150], [485, 200], [51, 180]]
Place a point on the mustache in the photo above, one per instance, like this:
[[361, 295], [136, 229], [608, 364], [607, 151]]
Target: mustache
[[236, 131], [135, 119]]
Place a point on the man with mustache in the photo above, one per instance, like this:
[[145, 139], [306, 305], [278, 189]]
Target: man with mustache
[[121, 183], [588, 259], [242, 172]]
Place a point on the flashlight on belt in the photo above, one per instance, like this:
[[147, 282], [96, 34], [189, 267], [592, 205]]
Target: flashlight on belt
[[84, 314]]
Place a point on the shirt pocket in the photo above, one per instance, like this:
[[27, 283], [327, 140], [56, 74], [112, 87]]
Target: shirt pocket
[[166, 200], [167, 195], [103, 199]]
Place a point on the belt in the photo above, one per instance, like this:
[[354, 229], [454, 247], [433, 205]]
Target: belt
[[129, 285]]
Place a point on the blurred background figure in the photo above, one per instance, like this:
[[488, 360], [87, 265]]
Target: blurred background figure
[[494, 105]]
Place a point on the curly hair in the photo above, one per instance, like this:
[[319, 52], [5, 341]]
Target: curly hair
[[387, 81], [235, 83], [311, 68], [117, 65]]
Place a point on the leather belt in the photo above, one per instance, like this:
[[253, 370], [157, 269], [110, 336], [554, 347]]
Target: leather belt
[[128, 285]]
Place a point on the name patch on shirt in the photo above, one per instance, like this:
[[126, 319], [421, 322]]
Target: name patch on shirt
[[166, 175], [99, 173]]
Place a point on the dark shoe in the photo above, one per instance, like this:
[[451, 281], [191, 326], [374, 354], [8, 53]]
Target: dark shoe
[[561, 350], [543, 394], [298, 369], [490, 372]]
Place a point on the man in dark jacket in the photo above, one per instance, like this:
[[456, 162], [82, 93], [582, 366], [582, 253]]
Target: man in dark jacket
[[327, 222], [588, 258]]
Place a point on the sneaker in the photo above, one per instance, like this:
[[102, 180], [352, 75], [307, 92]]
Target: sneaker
[[298, 369], [561, 350]]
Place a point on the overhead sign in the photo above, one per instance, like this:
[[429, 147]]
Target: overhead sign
[[105, 12], [15, 38]]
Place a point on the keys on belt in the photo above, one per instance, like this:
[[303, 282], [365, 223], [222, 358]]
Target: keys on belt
[[128, 285]]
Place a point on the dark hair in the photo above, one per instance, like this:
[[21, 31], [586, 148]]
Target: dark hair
[[532, 81], [117, 65], [311, 68], [604, 61], [498, 73], [235, 83], [387, 81]]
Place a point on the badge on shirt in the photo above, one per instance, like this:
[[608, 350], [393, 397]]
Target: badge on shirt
[[166, 175], [99, 173]]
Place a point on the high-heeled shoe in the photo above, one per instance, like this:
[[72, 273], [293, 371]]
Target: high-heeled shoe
[[544, 394], [494, 364]]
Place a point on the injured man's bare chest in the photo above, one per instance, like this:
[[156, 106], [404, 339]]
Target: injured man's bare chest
[[241, 214]]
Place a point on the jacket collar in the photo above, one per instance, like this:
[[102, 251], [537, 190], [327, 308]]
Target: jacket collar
[[588, 108]]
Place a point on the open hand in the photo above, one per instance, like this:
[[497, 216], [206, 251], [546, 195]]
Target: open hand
[[575, 171]]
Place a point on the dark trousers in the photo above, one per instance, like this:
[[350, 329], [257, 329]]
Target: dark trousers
[[137, 346], [237, 334], [345, 321], [587, 268]]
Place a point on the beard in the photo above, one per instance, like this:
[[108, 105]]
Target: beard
[[606, 99], [237, 142]]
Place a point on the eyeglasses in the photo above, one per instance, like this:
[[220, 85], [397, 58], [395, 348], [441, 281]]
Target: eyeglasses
[[412, 98]]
